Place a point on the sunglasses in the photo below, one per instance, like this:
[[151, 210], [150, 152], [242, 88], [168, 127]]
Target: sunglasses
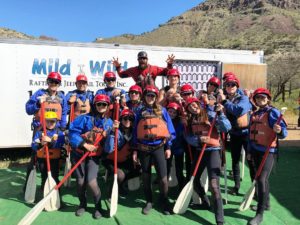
[[230, 85], [127, 118], [212, 84], [52, 81], [110, 79], [134, 92], [151, 95], [142, 58], [187, 93], [50, 121], [101, 104]]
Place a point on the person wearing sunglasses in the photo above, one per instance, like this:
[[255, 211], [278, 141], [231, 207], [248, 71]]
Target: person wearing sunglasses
[[126, 168], [140, 72], [199, 122], [110, 90], [55, 140], [54, 101], [263, 132], [83, 132], [153, 133], [80, 97], [170, 93], [208, 98], [238, 108], [135, 98]]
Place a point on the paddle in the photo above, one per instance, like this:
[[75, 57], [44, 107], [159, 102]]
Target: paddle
[[243, 163], [115, 190], [224, 165], [31, 186], [38, 208], [68, 159], [54, 203], [250, 193], [185, 195]]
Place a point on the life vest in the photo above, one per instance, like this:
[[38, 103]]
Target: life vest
[[54, 153], [152, 127], [202, 129], [90, 137], [52, 104], [123, 154], [82, 107], [261, 132]]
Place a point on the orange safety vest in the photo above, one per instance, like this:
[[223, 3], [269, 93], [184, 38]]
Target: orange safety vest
[[260, 131], [54, 153], [53, 105], [90, 137], [152, 127], [123, 154], [202, 129], [243, 121], [82, 107]]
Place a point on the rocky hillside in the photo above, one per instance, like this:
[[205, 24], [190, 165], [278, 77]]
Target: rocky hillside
[[270, 25], [8, 33]]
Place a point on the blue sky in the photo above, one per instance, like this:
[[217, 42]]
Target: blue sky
[[83, 21]]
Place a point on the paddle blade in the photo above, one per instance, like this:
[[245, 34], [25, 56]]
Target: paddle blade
[[184, 198], [54, 203], [225, 184], [248, 198], [31, 187], [173, 182], [114, 197], [66, 171], [36, 210], [134, 184]]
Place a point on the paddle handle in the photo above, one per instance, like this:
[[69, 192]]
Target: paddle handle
[[261, 165], [76, 165], [223, 148], [117, 109], [204, 146]]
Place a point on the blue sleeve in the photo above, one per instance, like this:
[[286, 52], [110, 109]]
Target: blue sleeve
[[60, 140], [192, 140], [67, 98], [273, 116], [33, 105], [110, 141], [79, 126], [240, 108], [223, 124], [64, 105], [170, 126], [36, 144]]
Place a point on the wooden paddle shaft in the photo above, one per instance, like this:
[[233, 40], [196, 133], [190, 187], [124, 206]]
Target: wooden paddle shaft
[[261, 165], [204, 146], [117, 109]]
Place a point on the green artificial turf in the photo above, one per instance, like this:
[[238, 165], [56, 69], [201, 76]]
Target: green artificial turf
[[284, 185]]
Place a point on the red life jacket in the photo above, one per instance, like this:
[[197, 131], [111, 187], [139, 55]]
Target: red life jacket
[[202, 129], [260, 131], [123, 154], [152, 127], [52, 105], [82, 107]]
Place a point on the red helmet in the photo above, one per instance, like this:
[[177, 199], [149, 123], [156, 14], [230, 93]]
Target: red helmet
[[151, 88], [186, 88], [262, 91], [173, 105], [214, 80], [173, 72], [136, 88], [81, 77], [228, 74], [101, 98], [54, 76], [127, 112], [109, 74], [190, 101], [232, 80]]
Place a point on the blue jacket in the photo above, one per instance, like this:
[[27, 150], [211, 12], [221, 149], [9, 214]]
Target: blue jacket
[[33, 105], [108, 91], [235, 108], [110, 141], [273, 116], [58, 144], [222, 125], [81, 95], [134, 107], [165, 117], [83, 124], [178, 144]]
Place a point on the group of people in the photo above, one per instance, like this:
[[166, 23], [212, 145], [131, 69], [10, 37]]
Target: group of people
[[154, 127]]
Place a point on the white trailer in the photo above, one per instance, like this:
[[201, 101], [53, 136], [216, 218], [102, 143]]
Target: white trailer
[[26, 63]]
